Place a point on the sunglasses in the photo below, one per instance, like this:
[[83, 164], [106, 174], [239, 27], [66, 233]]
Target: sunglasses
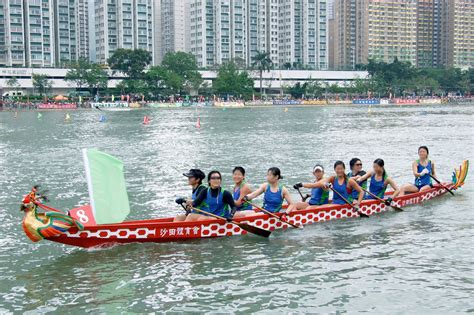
[[359, 164], [215, 177]]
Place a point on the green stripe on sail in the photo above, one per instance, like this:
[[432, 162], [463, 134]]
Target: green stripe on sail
[[107, 190]]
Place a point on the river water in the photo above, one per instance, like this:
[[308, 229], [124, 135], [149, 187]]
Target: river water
[[418, 261]]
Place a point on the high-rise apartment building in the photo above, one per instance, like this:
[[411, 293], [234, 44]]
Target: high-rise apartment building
[[172, 27], [82, 29], [344, 38], [457, 37], [122, 24], [293, 32], [65, 30], [387, 30], [426, 33], [27, 33], [42, 33], [303, 33]]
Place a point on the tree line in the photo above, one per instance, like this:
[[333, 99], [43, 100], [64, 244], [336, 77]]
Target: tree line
[[178, 75]]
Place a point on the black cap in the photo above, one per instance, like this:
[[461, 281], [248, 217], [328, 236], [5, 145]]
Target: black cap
[[196, 173]]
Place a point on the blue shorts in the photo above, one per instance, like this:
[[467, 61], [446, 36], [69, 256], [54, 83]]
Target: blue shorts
[[421, 186]]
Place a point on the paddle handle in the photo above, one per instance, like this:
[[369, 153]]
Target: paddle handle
[[273, 215], [302, 197], [342, 197], [436, 180], [373, 195], [211, 214]]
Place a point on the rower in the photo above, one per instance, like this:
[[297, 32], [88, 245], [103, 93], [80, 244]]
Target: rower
[[214, 200], [343, 185], [356, 174], [422, 169], [379, 180], [274, 192], [241, 189], [319, 195], [195, 178]]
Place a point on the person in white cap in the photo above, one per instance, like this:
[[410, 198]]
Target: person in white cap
[[318, 197], [195, 178]]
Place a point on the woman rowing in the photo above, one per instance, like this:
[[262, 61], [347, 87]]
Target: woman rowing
[[214, 200], [356, 174], [241, 189], [343, 185], [319, 195], [195, 178], [274, 192], [379, 181], [423, 169]]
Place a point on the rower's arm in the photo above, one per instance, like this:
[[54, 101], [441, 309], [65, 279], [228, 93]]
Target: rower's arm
[[258, 192], [228, 199], [356, 187], [414, 167], [322, 182], [243, 192], [365, 177], [318, 184], [200, 198], [394, 185], [287, 196]]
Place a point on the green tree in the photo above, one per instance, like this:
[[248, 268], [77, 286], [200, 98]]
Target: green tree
[[85, 74], [42, 84], [297, 90], [13, 83], [314, 89], [231, 81], [262, 62], [131, 62], [162, 82], [77, 73], [96, 78], [184, 66]]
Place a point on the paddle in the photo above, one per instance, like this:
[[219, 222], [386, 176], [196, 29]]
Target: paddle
[[303, 198], [274, 215], [383, 200], [244, 226], [362, 215], [436, 180]]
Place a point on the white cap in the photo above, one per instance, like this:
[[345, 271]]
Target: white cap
[[318, 167]]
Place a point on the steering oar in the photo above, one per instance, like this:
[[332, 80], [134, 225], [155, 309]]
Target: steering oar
[[436, 180]]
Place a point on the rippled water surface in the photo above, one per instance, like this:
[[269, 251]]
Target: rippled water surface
[[418, 261]]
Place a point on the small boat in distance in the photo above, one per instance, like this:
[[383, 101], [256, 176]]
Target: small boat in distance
[[112, 106]]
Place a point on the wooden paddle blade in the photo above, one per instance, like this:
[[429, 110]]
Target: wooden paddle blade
[[253, 229]]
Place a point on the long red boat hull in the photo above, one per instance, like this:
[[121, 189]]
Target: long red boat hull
[[165, 230]]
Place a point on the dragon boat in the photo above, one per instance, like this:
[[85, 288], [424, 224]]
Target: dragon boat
[[79, 227]]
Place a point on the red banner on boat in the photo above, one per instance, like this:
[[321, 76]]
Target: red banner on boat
[[84, 215]]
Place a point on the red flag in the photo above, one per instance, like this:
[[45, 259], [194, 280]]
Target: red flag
[[146, 120], [198, 123]]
